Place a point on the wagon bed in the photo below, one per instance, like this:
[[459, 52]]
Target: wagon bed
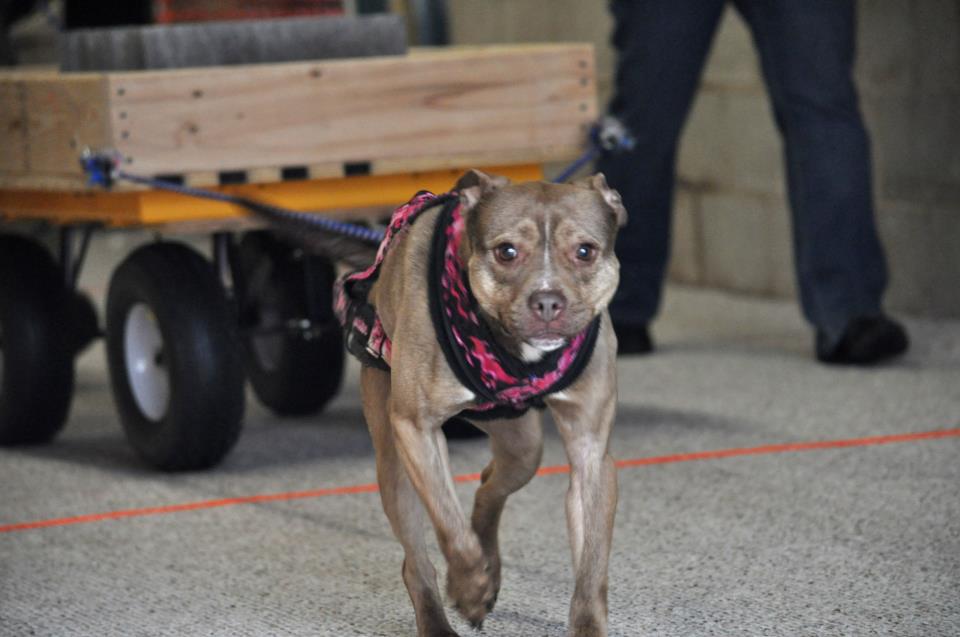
[[346, 138]]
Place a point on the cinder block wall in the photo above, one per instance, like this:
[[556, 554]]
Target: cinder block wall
[[731, 224]]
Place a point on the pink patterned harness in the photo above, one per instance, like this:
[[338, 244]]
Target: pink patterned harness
[[505, 385]]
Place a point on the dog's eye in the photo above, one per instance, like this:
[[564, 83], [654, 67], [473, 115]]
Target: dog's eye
[[586, 252], [506, 252]]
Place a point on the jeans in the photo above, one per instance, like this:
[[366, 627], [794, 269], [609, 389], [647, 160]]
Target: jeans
[[806, 50]]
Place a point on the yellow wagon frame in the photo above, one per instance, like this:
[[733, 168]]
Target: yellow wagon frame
[[343, 198]]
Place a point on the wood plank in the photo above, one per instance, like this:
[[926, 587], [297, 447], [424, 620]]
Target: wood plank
[[65, 114], [45, 121], [325, 171], [13, 128], [435, 109], [267, 174], [201, 179], [462, 162], [430, 104], [40, 181]]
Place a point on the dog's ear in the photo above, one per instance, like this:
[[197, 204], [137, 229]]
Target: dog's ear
[[610, 196], [474, 184]]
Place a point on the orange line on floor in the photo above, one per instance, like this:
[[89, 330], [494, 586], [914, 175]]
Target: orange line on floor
[[474, 477]]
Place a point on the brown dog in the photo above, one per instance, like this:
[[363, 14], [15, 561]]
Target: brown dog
[[539, 260]]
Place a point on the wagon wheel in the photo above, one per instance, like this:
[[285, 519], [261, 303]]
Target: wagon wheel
[[84, 324], [36, 344], [293, 344], [174, 359]]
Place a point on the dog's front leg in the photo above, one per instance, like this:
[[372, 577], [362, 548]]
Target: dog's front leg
[[423, 450], [591, 505], [517, 446], [402, 505]]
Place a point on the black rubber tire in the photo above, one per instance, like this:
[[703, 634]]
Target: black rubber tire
[[291, 374], [84, 323], [36, 379], [200, 351]]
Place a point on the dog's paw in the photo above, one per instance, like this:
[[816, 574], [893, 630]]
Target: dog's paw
[[587, 625], [473, 589]]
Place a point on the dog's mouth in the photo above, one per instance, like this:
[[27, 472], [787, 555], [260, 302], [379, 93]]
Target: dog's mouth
[[547, 342], [548, 336], [533, 349], [541, 337], [543, 334]]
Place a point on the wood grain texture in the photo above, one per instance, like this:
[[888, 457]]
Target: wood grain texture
[[64, 114], [531, 102], [45, 121], [13, 128], [432, 109]]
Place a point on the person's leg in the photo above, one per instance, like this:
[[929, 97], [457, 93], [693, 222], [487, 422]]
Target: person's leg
[[661, 49], [807, 50]]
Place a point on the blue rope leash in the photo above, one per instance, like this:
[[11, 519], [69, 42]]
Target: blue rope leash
[[103, 170], [607, 135], [351, 230], [588, 156]]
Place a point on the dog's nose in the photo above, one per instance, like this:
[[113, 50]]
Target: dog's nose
[[547, 304]]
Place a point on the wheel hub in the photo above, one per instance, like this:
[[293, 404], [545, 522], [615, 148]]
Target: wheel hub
[[146, 367]]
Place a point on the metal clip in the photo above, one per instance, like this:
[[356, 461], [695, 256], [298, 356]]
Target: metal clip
[[612, 135], [100, 166]]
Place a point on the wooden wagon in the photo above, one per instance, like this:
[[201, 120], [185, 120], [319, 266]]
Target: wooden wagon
[[349, 139]]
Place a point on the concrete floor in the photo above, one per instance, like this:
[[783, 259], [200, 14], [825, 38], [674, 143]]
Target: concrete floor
[[860, 540]]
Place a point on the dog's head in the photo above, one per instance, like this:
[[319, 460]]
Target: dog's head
[[540, 256]]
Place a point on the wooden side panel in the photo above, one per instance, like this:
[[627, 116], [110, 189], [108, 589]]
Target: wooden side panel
[[45, 121], [13, 128], [428, 109], [65, 114]]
